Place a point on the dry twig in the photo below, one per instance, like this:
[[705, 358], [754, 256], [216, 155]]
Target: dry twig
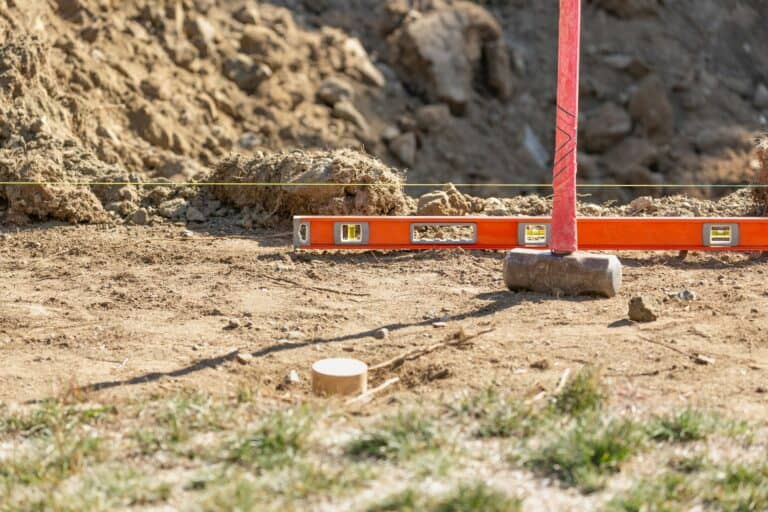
[[456, 339], [369, 395], [285, 280]]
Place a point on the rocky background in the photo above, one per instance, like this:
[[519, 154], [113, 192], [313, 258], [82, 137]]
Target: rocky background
[[448, 91]]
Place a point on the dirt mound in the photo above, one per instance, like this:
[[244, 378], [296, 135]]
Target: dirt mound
[[53, 200], [454, 91], [376, 189]]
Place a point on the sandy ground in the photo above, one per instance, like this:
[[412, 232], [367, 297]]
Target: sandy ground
[[126, 310]]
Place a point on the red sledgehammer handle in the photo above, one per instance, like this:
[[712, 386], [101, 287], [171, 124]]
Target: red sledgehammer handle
[[564, 239]]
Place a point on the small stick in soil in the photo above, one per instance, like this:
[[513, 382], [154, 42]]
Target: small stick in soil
[[673, 349], [456, 339], [315, 288], [563, 380], [369, 395]]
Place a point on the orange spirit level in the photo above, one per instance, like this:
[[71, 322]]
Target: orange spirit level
[[561, 234], [594, 233]]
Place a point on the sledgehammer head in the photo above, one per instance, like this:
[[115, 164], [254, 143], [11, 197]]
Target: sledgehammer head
[[579, 273]]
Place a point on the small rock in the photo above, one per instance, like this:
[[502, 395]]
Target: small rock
[[292, 377], [494, 207], [173, 209], [703, 360], [295, 335], [195, 215], [390, 132], [244, 357], [448, 201], [641, 204], [233, 323], [187, 233], [686, 295], [334, 90], [347, 111], [761, 97], [606, 127], [260, 40], [404, 147], [140, 217], [761, 390], [155, 88], [382, 333], [541, 364], [439, 325], [639, 312], [247, 15], [358, 62], [651, 107], [202, 34], [246, 72], [592, 210], [432, 117], [249, 141], [631, 152]]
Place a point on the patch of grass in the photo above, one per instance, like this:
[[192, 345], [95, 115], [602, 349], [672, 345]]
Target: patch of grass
[[185, 414], [29, 478], [241, 495], [288, 488], [467, 498], [278, 440], [396, 437], [582, 394], [682, 427], [688, 465], [738, 488], [667, 493], [734, 488], [510, 420], [307, 479], [477, 497], [51, 416], [406, 501], [586, 452]]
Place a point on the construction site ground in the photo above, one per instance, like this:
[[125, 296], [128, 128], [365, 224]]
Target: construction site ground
[[123, 310]]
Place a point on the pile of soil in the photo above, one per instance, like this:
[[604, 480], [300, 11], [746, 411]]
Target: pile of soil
[[377, 190], [451, 90]]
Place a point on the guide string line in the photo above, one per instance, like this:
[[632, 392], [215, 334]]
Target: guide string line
[[402, 185]]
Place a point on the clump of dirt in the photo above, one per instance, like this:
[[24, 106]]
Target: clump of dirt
[[760, 195], [366, 186], [448, 201], [55, 199]]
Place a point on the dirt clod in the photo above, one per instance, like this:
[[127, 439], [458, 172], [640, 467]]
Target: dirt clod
[[639, 311]]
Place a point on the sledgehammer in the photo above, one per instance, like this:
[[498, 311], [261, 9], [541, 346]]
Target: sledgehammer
[[563, 270]]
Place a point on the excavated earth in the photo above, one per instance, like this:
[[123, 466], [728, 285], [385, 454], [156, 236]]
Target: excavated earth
[[170, 262]]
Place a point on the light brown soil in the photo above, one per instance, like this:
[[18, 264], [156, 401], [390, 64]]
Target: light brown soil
[[120, 310]]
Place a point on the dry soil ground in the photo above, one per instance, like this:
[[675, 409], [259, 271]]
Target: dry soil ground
[[126, 380], [120, 310]]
